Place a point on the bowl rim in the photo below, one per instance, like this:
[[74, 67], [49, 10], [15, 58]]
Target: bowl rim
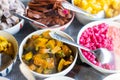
[[47, 75], [59, 78], [21, 21], [91, 24], [14, 29], [14, 42]]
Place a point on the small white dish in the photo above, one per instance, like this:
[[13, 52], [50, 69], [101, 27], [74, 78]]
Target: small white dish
[[59, 78], [16, 28]]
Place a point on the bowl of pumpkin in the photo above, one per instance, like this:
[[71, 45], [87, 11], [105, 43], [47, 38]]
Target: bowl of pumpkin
[[45, 56]]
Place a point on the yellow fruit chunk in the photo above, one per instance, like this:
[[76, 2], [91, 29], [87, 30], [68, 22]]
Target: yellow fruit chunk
[[28, 56]]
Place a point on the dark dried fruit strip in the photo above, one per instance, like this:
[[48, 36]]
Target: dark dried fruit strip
[[48, 12]]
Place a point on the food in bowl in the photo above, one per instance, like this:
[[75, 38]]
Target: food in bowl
[[48, 12], [101, 34], [46, 56], [7, 20], [94, 6], [112, 13], [93, 38], [6, 47], [8, 52]]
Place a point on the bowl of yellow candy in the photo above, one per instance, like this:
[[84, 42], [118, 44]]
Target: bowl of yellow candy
[[110, 8], [8, 52]]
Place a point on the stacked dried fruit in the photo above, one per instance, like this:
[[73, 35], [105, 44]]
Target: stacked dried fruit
[[48, 12], [8, 20]]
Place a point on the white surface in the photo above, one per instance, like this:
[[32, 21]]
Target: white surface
[[3, 78], [59, 78], [113, 77]]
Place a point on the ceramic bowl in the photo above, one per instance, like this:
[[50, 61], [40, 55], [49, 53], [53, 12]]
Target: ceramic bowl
[[89, 39], [84, 19], [16, 28], [61, 73], [55, 26], [14, 42], [59, 78]]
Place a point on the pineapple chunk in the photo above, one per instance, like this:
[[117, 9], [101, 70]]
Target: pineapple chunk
[[28, 56]]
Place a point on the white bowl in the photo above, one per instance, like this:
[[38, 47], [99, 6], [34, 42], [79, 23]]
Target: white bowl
[[113, 77], [83, 58], [62, 73], [62, 28], [85, 19], [16, 28], [14, 42], [59, 78]]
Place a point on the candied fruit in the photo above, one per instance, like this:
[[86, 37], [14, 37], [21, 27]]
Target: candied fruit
[[93, 38]]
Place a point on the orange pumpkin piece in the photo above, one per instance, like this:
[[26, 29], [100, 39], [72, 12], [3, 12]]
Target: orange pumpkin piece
[[61, 65]]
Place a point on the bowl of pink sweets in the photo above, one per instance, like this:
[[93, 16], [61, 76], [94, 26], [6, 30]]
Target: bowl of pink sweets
[[101, 34]]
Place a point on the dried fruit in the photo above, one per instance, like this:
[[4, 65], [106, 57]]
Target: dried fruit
[[7, 20], [48, 12]]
